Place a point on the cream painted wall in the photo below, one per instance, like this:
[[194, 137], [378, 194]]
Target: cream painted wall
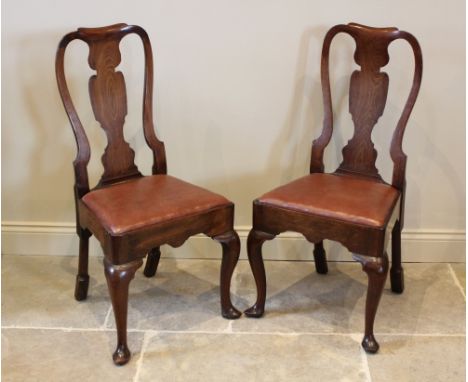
[[237, 100]]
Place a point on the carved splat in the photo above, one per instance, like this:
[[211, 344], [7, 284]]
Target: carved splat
[[109, 101], [368, 93], [367, 97]]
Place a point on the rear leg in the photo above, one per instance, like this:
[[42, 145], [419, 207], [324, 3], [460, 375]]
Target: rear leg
[[320, 258], [397, 281], [152, 262], [82, 278]]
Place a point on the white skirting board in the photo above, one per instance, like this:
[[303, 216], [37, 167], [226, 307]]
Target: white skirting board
[[44, 238]]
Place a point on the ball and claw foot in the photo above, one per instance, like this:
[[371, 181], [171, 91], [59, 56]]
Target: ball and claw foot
[[231, 313], [255, 311], [397, 280], [81, 287], [370, 344], [121, 355]]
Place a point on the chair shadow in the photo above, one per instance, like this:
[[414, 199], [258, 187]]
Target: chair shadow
[[315, 288], [336, 304], [175, 299]]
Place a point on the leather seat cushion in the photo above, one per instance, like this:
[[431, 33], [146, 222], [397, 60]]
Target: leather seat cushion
[[141, 202], [345, 198]]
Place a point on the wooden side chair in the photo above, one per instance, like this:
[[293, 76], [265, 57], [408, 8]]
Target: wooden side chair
[[352, 205], [130, 214]]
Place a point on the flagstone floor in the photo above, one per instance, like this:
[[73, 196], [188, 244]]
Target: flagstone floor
[[311, 330]]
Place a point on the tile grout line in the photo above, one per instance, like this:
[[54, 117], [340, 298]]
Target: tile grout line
[[229, 327], [152, 331], [106, 320], [362, 355], [232, 291], [422, 334], [456, 281], [365, 364], [146, 338]]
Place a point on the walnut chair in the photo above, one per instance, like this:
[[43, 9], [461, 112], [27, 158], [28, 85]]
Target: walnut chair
[[352, 205], [130, 214]]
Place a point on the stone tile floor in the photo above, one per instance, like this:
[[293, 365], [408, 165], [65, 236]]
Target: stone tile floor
[[311, 331]]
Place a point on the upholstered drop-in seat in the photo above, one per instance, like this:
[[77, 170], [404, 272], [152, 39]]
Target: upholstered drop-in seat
[[149, 200], [333, 196]]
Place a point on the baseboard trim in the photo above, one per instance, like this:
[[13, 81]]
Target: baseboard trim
[[48, 238]]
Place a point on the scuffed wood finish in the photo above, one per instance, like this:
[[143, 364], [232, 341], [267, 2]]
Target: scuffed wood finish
[[124, 252], [367, 99]]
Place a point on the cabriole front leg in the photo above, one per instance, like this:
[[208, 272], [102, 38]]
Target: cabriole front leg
[[255, 241], [376, 269], [118, 279], [231, 250]]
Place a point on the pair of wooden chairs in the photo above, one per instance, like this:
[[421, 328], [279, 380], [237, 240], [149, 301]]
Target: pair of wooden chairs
[[133, 215]]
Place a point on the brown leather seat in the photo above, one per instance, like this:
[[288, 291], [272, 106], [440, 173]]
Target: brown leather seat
[[343, 198], [149, 200]]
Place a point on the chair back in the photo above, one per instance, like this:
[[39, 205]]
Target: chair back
[[108, 96], [367, 97]]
